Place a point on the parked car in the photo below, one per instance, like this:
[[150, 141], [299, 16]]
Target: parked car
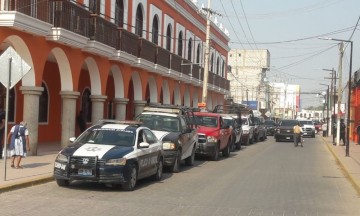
[[248, 127], [260, 129], [270, 127], [236, 130], [285, 130], [214, 135], [318, 125], [174, 126], [111, 152], [308, 128]]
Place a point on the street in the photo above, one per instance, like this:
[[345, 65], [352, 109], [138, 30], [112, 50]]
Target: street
[[265, 178]]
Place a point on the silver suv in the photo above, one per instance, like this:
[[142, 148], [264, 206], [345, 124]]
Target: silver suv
[[308, 127], [248, 128]]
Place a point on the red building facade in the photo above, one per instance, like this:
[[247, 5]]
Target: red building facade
[[107, 59]]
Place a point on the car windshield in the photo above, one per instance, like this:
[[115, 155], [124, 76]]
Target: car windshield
[[228, 122], [288, 123], [269, 123], [245, 121], [118, 137], [160, 122], [306, 122], [207, 121]]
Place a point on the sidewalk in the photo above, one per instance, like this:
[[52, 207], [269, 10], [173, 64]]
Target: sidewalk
[[36, 169], [39, 169], [350, 165]]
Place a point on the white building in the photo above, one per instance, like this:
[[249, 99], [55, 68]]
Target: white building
[[285, 99], [248, 70]]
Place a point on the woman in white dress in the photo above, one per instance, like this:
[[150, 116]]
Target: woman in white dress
[[18, 138]]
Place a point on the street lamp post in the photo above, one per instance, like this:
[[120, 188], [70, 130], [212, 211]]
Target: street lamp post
[[349, 94], [327, 108]]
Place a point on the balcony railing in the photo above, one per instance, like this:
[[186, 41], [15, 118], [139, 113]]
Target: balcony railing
[[71, 17], [76, 18], [103, 31]]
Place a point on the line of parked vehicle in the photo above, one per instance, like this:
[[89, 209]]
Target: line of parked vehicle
[[121, 152]]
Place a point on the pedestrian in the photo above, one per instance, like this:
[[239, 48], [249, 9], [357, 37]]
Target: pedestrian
[[342, 131], [297, 135], [19, 145], [358, 134], [2, 129], [81, 121], [334, 133], [324, 129]]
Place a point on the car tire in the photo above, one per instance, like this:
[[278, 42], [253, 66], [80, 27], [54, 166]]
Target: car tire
[[62, 182], [238, 145], [175, 168], [159, 170], [215, 155], [131, 182], [226, 151], [251, 141], [189, 161]]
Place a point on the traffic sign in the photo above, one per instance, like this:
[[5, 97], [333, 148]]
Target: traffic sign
[[12, 66]]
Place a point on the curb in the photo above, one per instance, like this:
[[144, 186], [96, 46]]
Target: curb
[[343, 168], [26, 183]]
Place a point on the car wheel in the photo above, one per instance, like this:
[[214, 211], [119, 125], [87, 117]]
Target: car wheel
[[62, 182], [131, 182], [189, 161], [226, 150], [251, 141], [176, 166], [159, 171], [238, 145], [215, 155]]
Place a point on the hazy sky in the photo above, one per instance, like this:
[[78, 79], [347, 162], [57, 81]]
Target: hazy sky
[[290, 29]]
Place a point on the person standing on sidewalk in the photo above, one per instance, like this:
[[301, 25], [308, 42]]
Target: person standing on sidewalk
[[18, 139], [342, 131], [334, 133], [297, 135], [358, 133], [324, 129]]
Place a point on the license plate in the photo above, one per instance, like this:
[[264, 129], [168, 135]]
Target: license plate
[[305, 133], [287, 137], [85, 172]]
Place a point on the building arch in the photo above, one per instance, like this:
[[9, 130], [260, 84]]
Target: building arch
[[135, 77], [64, 69], [94, 76], [118, 81], [190, 45], [119, 13], [195, 98], [165, 92], [177, 95], [180, 43], [187, 97], [153, 96], [168, 37]]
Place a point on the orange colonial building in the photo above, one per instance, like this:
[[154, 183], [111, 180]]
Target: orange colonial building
[[107, 58]]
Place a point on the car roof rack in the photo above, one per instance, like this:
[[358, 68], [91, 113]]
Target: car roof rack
[[114, 121], [167, 109]]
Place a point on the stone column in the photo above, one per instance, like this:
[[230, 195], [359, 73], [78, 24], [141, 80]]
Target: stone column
[[68, 117], [120, 108], [139, 107], [31, 114], [97, 107]]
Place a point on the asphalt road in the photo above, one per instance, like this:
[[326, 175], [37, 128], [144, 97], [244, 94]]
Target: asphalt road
[[265, 178]]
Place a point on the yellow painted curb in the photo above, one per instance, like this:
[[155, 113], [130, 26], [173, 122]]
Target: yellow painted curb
[[343, 168], [26, 183]]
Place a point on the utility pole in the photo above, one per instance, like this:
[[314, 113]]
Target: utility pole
[[341, 48], [207, 53], [331, 97]]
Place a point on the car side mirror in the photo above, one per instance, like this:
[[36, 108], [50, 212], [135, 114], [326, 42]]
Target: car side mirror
[[144, 145], [72, 139]]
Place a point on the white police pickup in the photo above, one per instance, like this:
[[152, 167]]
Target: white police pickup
[[111, 152]]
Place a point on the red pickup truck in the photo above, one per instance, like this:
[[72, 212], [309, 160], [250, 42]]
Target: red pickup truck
[[213, 135]]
